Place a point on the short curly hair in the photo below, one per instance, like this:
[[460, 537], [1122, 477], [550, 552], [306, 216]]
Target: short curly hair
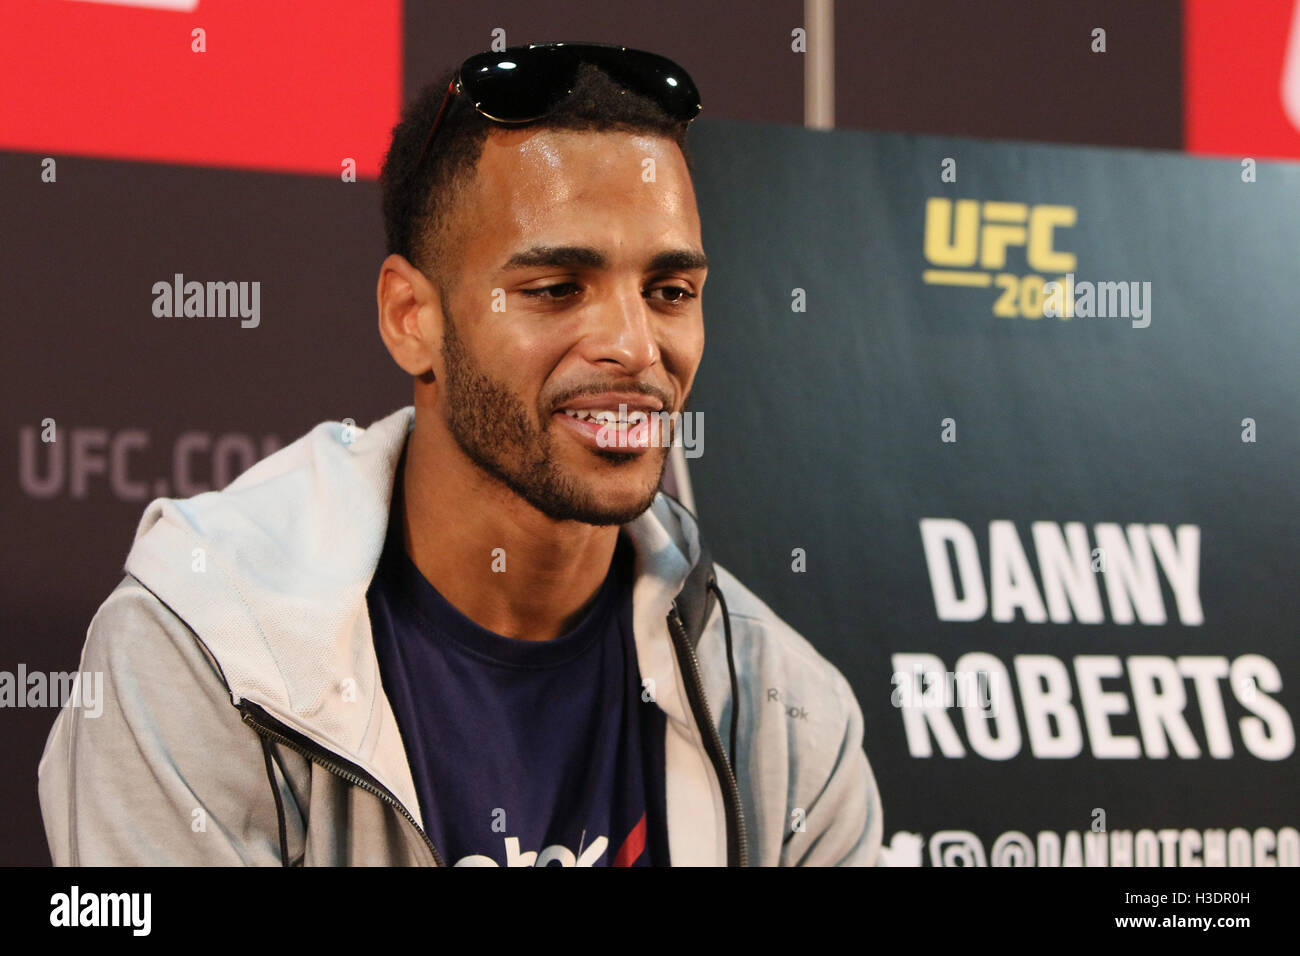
[[419, 204]]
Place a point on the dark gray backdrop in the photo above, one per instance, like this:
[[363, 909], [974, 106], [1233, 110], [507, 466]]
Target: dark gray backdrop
[[823, 432]]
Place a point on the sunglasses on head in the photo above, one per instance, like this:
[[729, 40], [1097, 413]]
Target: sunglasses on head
[[525, 83]]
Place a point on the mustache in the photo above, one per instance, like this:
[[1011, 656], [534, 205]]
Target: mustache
[[639, 388]]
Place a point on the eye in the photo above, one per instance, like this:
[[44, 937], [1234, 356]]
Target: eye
[[681, 296], [675, 295], [542, 293]]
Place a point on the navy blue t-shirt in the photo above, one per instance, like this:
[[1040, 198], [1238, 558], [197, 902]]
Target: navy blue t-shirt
[[522, 752]]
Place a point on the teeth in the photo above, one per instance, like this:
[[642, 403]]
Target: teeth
[[607, 417]]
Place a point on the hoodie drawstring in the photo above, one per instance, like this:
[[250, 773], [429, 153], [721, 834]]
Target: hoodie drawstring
[[731, 667], [279, 803]]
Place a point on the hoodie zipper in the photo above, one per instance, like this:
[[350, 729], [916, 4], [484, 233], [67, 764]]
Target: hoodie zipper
[[264, 724], [257, 718], [736, 839]]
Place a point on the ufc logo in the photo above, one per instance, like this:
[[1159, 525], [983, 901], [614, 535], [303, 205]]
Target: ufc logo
[[970, 232]]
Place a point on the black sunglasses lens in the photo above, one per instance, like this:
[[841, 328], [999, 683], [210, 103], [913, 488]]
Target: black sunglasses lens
[[525, 83], [518, 85], [652, 76]]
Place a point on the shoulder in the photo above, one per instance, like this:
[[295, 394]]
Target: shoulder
[[785, 664], [141, 644], [801, 740]]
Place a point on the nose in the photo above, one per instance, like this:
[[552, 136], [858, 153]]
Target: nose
[[622, 332]]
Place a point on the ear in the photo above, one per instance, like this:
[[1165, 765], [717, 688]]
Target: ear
[[410, 316]]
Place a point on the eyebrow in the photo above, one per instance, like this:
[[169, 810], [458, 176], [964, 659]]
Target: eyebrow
[[583, 257]]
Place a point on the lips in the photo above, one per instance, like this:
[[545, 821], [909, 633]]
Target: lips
[[612, 421], [610, 401]]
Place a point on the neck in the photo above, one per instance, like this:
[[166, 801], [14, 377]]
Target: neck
[[493, 556]]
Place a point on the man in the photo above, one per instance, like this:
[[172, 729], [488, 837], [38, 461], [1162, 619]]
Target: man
[[476, 633]]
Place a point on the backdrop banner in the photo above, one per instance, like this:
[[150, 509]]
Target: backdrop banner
[[1010, 434]]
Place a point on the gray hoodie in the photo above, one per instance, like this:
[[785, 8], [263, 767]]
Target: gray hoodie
[[245, 723]]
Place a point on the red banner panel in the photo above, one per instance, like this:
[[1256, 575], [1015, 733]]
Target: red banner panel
[[283, 85], [1242, 72]]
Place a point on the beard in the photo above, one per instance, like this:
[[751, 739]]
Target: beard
[[497, 433]]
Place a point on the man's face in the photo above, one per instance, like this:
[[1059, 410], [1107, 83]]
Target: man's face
[[578, 289]]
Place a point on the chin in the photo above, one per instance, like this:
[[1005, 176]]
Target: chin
[[622, 506], [616, 499]]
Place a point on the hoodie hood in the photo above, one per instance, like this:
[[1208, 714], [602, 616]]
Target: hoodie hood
[[271, 574]]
